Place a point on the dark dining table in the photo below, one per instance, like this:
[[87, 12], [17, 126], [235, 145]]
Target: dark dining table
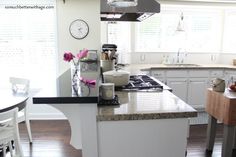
[[10, 100]]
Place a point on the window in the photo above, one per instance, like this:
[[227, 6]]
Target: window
[[119, 34], [28, 40], [201, 30], [207, 29], [149, 34], [229, 42]]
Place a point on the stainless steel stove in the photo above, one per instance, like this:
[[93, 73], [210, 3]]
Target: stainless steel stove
[[141, 83]]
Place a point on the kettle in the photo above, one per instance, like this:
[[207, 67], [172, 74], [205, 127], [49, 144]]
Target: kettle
[[218, 85]]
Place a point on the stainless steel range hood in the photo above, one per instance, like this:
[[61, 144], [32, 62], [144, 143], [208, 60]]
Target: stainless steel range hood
[[143, 10]]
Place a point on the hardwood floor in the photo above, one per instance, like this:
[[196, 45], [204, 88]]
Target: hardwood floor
[[196, 141], [51, 139]]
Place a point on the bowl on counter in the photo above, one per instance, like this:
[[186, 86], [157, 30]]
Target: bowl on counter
[[119, 78]]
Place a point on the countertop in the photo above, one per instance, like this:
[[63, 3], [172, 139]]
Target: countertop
[[60, 92], [142, 68], [133, 105], [146, 105]]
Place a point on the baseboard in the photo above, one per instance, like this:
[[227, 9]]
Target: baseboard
[[47, 116], [202, 118]]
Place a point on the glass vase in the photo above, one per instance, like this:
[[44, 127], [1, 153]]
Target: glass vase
[[79, 88], [74, 80]]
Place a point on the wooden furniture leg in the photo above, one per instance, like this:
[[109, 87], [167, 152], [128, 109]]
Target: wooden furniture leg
[[227, 146], [234, 146], [211, 133]]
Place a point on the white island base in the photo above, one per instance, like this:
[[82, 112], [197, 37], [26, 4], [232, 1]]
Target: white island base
[[156, 127], [143, 138], [83, 123]]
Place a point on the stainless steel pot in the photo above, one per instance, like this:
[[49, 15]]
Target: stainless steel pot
[[119, 78]]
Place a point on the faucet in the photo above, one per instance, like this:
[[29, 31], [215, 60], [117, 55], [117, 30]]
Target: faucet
[[180, 59], [177, 61]]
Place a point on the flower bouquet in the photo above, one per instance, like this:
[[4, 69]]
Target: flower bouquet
[[80, 86]]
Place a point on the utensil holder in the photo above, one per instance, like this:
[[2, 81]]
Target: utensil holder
[[107, 65]]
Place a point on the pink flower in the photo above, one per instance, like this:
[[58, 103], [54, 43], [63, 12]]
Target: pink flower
[[82, 54], [68, 56], [87, 82]]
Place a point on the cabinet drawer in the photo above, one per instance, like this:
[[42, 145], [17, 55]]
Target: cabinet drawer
[[230, 72], [199, 73], [177, 73], [144, 72], [216, 73], [158, 74]]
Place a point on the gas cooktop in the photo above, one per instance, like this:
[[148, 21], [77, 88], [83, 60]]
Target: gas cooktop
[[141, 83]]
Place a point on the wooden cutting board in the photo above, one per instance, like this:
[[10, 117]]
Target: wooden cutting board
[[222, 106]]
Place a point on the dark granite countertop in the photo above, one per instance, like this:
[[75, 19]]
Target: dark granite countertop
[[60, 91]]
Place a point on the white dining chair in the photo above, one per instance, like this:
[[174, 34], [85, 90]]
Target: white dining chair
[[9, 132], [21, 85]]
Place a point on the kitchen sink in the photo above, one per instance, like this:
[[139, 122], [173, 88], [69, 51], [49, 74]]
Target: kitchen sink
[[182, 65]]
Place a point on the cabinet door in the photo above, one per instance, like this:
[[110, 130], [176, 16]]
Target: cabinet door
[[230, 77], [216, 74], [159, 74], [197, 92], [179, 87]]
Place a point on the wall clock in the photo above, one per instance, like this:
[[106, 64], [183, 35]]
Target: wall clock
[[79, 29]]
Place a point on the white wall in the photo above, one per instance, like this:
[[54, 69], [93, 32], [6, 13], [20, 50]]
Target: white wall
[[227, 58], [89, 11]]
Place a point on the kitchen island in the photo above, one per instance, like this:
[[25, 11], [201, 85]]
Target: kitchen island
[[144, 124]]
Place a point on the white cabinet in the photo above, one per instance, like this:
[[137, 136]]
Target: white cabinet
[[176, 73], [178, 81], [230, 77], [216, 74], [197, 86], [159, 74], [197, 92], [143, 72], [191, 84], [179, 87]]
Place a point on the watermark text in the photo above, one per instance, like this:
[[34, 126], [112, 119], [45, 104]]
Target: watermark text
[[29, 7]]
